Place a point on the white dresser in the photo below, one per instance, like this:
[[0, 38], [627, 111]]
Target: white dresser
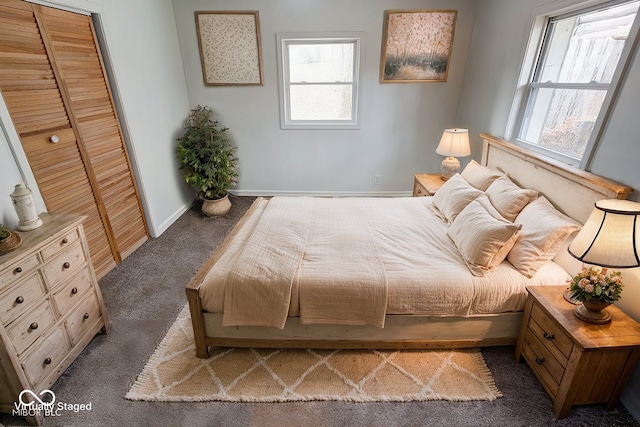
[[50, 307]]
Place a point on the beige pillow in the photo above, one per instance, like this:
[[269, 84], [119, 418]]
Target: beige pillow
[[508, 198], [544, 229], [479, 176], [482, 239], [454, 195]]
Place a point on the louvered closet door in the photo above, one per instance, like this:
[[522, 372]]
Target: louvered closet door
[[81, 73], [50, 91]]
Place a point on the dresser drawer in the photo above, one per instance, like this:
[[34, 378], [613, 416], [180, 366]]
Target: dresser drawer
[[20, 297], [72, 291], [18, 271], [26, 329], [63, 265], [419, 190], [60, 244], [548, 370], [83, 318], [46, 356], [558, 342]]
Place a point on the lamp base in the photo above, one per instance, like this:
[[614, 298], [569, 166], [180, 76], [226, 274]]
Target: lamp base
[[449, 167]]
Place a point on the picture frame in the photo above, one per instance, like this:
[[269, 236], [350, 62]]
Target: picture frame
[[230, 47], [416, 45]]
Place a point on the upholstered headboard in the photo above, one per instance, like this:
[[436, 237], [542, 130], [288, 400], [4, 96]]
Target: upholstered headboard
[[573, 191]]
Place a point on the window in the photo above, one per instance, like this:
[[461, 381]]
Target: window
[[319, 75], [573, 76]]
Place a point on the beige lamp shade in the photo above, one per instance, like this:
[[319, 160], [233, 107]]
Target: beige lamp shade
[[610, 236], [454, 143]]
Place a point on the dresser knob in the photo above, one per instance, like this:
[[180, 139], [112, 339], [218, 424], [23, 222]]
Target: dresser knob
[[18, 270], [66, 265], [65, 241], [34, 325], [549, 337], [74, 291], [54, 139], [47, 361], [539, 361], [86, 316], [19, 300]]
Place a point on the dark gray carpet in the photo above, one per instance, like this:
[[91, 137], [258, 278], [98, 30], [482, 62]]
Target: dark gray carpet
[[144, 295]]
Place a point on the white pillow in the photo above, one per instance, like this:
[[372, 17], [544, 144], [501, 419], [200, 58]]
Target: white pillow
[[483, 238], [508, 198], [544, 229], [479, 176], [454, 195]]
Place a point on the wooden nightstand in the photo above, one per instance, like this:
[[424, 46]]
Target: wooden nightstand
[[576, 362], [426, 184]]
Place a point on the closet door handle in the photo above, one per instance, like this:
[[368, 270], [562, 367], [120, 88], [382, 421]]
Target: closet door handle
[[54, 139]]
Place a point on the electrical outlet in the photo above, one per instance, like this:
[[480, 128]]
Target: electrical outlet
[[376, 179]]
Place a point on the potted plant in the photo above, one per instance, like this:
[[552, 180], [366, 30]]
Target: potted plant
[[207, 160], [9, 240], [596, 290]]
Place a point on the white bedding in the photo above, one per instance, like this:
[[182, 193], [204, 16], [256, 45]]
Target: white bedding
[[422, 270]]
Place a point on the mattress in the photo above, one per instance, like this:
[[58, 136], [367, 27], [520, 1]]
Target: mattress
[[423, 270]]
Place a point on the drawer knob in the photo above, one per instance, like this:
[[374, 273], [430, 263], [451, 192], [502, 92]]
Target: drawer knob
[[18, 270], [54, 139], [539, 361], [74, 291], [47, 361], [34, 325], [65, 241], [549, 337], [86, 316], [66, 265], [19, 300]]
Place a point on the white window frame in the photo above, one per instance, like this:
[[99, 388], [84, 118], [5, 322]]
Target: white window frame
[[286, 39], [532, 55]]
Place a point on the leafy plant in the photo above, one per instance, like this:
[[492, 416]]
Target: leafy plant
[[4, 232], [207, 155], [592, 284]]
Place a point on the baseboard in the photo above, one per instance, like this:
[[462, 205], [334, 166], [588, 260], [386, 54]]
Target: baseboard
[[157, 231], [268, 193]]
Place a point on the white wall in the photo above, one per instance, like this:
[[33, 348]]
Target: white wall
[[499, 40], [401, 123], [142, 47]]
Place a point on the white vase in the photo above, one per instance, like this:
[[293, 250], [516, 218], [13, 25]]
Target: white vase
[[25, 208], [216, 206]]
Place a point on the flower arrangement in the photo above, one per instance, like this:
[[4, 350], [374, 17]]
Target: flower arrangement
[[593, 284]]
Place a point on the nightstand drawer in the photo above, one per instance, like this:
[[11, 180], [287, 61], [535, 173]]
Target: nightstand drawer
[[420, 191], [19, 270], [549, 333], [72, 291], [83, 318], [46, 356], [20, 297], [546, 367], [63, 265], [26, 329]]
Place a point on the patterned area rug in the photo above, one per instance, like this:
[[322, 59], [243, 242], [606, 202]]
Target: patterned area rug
[[173, 373]]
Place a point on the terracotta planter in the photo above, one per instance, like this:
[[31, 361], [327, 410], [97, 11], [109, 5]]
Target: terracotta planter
[[217, 206], [593, 312], [10, 243]]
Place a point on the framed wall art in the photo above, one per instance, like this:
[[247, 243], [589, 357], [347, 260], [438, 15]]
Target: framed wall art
[[416, 45], [230, 48]]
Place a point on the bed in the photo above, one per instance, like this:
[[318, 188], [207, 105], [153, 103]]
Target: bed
[[397, 273]]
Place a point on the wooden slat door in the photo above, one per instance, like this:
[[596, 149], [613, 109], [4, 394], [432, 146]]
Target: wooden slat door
[[87, 171]]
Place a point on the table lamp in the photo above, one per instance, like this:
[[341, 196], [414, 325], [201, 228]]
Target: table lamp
[[454, 143], [608, 239]]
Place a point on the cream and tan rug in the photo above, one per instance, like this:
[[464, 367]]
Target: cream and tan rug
[[173, 373]]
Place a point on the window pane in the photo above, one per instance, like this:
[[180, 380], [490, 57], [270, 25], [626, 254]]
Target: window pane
[[321, 102], [329, 62], [562, 120], [586, 48]]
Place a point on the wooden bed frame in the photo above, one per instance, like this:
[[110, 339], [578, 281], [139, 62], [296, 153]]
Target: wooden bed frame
[[571, 190]]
